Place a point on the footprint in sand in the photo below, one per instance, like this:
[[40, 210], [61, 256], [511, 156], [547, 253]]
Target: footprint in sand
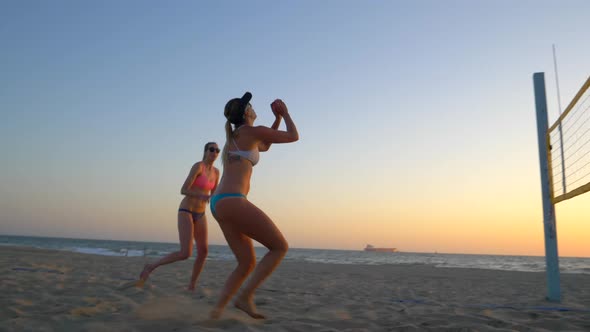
[[100, 307]]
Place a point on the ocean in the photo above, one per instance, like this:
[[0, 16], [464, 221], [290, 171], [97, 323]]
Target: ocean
[[359, 257]]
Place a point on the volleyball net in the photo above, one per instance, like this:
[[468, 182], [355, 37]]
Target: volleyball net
[[569, 148]]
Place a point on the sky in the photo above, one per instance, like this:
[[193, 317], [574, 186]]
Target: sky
[[416, 118]]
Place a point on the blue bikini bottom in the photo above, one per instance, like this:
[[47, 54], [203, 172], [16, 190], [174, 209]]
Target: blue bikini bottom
[[215, 198]]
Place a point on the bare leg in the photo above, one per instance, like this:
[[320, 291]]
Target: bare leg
[[245, 300], [185, 234], [200, 236], [241, 220], [243, 249]]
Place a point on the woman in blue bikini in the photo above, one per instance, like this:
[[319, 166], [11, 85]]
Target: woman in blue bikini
[[192, 222], [240, 220]]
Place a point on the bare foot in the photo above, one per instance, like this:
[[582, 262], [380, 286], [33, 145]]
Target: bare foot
[[248, 307], [215, 313], [145, 274], [191, 288]]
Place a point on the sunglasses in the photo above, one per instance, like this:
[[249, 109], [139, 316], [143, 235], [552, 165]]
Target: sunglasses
[[214, 150]]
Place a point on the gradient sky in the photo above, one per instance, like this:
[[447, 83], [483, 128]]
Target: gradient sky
[[416, 118]]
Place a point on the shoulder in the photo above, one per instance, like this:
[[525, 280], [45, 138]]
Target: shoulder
[[197, 166], [250, 129], [256, 133], [257, 130], [261, 128]]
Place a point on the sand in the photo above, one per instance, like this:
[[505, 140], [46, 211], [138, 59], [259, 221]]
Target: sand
[[46, 290]]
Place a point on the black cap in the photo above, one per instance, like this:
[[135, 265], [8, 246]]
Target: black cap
[[246, 98]]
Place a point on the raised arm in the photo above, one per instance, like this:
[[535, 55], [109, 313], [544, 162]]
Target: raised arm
[[270, 135], [264, 146], [277, 123]]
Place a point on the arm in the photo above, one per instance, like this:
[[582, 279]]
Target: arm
[[192, 175], [269, 135], [264, 146]]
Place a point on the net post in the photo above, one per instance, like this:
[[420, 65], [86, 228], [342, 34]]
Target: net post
[[551, 255]]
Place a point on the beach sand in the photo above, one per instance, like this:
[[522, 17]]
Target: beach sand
[[45, 290]]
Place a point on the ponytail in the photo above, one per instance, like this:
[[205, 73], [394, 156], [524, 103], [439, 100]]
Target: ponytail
[[234, 113], [228, 136]]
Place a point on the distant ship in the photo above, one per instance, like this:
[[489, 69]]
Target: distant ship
[[372, 248]]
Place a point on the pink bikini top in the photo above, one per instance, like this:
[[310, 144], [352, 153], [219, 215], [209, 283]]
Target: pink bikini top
[[203, 182]]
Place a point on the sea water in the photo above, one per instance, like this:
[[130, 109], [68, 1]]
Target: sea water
[[325, 256]]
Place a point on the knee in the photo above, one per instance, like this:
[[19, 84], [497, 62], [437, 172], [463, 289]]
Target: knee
[[184, 255], [281, 247], [284, 246], [246, 266]]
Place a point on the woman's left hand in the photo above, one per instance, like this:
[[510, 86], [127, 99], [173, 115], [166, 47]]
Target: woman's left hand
[[279, 108], [275, 107], [277, 115]]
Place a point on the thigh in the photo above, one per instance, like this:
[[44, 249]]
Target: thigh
[[185, 231], [240, 244], [249, 220], [200, 232]]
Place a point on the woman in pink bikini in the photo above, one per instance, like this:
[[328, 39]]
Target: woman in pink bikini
[[239, 219], [192, 222]]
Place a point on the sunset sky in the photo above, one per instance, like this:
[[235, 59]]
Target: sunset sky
[[416, 118]]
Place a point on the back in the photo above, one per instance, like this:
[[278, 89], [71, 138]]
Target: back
[[242, 155]]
